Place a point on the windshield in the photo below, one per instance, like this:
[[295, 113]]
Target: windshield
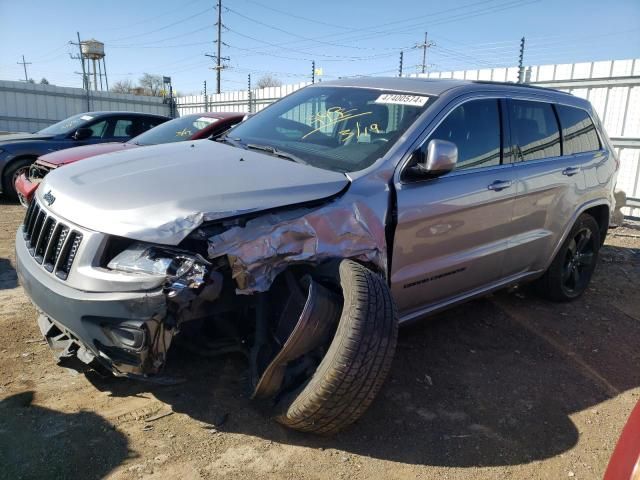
[[176, 130], [68, 125], [343, 129]]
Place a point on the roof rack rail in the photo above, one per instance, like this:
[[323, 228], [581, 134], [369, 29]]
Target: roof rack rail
[[522, 85]]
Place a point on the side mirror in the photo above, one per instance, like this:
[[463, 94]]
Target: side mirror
[[438, 158], [82, 133]]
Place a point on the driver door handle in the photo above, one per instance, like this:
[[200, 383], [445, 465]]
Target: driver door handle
[[499, 185]]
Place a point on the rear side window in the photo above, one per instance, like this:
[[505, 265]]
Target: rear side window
[[475, 129], [578, 131], [123, 128], [534, 130]]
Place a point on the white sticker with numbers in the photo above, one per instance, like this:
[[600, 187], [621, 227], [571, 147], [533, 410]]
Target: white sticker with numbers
[[400, 99]]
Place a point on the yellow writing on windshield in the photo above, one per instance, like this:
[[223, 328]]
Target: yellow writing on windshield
[[363, 135], [183, 133], [331, 117]]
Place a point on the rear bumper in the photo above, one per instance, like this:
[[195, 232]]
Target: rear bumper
[[113, 330], [25, 189]]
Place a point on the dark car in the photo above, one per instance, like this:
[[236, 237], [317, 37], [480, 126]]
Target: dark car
[[190, 127], [19, 151]]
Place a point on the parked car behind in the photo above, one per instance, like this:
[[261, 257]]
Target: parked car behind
[[189, 127], [310, 231], [19, 151]]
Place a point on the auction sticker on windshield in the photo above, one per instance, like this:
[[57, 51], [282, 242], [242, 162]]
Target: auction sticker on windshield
[[398, 99]]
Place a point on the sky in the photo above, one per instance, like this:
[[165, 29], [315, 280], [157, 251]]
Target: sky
[[282, 38]]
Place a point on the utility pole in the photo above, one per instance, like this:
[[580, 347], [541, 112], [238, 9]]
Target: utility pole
[[313, 71], [521, 62], [206, 99], [218, 57], [400, 68], [24, 64], [249, 91], [424, 47], [218, 66]]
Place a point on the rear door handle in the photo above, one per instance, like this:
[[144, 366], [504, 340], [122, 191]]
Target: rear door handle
[[499, 185], [570, 171]]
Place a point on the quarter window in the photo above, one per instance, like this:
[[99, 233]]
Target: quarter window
[[534, 130], [578, 131], [475, 129]]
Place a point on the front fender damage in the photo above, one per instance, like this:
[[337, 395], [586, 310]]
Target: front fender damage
[[267, 245], [247, 259]]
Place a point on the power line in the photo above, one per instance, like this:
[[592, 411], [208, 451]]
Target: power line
[[310, 55], [322, 42], [155, 42], [147, 20], [446, 19], [172, 24], [299, 17]]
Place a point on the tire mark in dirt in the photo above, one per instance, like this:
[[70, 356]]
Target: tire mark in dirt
[[577, 360]]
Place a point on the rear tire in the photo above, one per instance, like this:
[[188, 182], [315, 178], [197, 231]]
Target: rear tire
[[570, 272], [357, 362], [11, 173]]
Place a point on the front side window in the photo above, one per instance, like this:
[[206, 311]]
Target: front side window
[[475, 129], [534, 130], [578, 131], [99, 129], [343, 129]]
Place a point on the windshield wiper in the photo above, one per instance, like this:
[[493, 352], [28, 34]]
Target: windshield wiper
[[275, 152], [234, 142]]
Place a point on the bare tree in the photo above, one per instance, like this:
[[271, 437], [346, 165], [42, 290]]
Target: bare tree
[[269, 81], [152, 84], [122, 86]]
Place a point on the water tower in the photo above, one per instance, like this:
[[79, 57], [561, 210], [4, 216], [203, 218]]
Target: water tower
[[93, 53]]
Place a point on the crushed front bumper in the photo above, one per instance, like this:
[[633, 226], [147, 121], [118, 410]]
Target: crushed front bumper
[[112, 330]]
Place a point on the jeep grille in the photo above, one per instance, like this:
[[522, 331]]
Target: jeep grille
[[50, 242]]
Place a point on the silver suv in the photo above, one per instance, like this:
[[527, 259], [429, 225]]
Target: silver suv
[[305, 235]]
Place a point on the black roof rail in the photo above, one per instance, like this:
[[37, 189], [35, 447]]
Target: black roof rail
[[521, 85]]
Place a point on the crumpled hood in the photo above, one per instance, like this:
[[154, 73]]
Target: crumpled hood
[[70, 155], [162, 193], [17, 137]]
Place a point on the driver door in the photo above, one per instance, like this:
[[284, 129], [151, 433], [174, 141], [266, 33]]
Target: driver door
[[452, 231]]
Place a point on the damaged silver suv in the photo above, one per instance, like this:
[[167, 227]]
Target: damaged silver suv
[[308, 233]]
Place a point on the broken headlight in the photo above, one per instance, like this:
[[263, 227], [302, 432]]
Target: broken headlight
[[181, 268]]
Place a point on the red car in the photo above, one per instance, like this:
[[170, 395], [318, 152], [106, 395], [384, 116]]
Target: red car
[[190, 127], [625, 461]]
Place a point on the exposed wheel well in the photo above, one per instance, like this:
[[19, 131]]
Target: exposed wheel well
[[601, 215]]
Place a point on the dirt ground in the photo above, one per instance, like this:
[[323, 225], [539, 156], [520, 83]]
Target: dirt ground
[[509, 386]]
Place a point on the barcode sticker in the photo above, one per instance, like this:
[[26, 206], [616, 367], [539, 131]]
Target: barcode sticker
[[399, 99]]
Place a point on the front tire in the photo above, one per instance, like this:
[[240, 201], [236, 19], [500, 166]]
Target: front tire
[[357, 362], [11, 174], [570, 272]]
